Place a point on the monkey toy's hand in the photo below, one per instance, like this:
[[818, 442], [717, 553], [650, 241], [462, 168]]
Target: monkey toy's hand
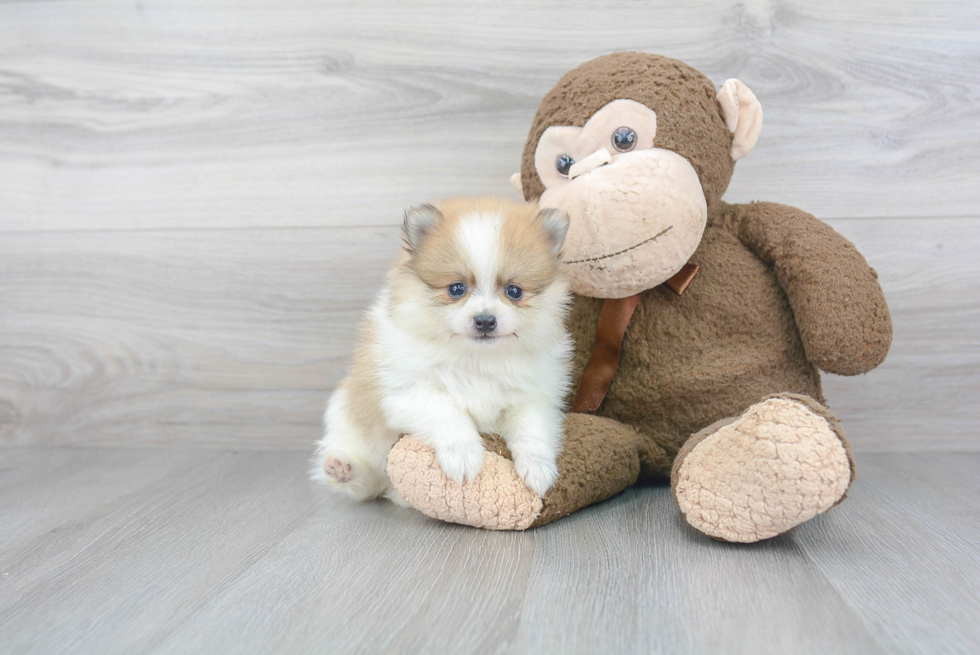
[[838, 304]]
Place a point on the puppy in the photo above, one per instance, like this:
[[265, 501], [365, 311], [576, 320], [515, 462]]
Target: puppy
[[467, 336]]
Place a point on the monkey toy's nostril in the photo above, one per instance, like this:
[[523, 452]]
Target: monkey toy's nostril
[[485, 323]]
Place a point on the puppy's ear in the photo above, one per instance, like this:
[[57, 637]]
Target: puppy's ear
[[554, 223], [419, 222]]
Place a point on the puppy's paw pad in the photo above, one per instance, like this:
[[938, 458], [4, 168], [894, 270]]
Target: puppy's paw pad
[[337, 469]]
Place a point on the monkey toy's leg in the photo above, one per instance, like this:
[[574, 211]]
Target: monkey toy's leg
[[600, 459], [744, 479], [752, 477]]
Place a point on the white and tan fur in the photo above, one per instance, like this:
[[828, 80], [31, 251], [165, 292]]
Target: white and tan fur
[[423, 368]]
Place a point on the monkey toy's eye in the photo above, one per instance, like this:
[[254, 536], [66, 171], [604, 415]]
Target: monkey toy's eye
[[563, 163], [624, 139], [514, 292], [457, 289]]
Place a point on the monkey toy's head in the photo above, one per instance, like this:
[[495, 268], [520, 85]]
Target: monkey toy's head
[[637, 149]]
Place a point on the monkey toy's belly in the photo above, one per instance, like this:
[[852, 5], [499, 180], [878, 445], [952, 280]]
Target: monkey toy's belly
[[708, 354]]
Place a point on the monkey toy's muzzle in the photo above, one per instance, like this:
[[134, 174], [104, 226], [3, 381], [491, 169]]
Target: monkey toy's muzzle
[[636, 219]]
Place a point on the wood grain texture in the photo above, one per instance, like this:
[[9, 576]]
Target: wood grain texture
[[145, 559], [226, 552], [138, 115], [236, 337], [903, 550], [42, 491], [214, 337], [197, 204], [923, 397]]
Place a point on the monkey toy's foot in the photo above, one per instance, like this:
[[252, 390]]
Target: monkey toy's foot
[[497, 499], [780, 463]]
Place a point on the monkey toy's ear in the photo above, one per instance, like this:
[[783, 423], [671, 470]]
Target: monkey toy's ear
[[515, 181], [743, 116]]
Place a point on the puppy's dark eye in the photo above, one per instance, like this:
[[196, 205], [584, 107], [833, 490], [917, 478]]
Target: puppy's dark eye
[[563, 163], [514, 292], [624, 139], [457, 289]]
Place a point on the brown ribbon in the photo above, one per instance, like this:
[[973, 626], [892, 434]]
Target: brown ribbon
[[682, 278], [614, 316]]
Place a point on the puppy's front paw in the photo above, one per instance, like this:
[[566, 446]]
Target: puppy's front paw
[[538, 474], [461, 461]]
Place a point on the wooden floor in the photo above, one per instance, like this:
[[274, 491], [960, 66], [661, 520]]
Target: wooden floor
[[195, 551], [198, 200]]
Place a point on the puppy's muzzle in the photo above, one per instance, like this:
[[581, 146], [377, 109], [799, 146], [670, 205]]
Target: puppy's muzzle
[[485, 323]]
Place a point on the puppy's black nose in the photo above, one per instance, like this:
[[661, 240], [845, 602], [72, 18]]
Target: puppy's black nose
[[485, 323]]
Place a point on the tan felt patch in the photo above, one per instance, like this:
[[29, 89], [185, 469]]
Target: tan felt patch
[[776, 466], [496, 500]]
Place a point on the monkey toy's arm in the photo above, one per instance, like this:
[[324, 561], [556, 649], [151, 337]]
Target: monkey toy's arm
[[839, 307]]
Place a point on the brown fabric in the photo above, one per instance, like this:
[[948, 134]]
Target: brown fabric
[[598, 375], [778, 296], [839, 307], [689, 118], [729, 342], [494, 444], [682, 279], [599, 461], [691, 360]]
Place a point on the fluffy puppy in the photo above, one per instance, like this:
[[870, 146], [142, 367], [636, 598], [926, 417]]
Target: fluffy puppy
[[467, 336]]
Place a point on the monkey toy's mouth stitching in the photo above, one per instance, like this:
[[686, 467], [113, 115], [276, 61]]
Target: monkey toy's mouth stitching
[[624, 250]]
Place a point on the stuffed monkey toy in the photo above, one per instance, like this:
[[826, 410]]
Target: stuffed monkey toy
[[700, 327]]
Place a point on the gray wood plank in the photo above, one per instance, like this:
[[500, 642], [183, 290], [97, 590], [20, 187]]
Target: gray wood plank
[[43, 490], [240, 553], [623, 577], [371, 579], [629, 576], [114, 115], [236, 337], [924, 396], [169, 337], [119, 578], [903, 550]]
